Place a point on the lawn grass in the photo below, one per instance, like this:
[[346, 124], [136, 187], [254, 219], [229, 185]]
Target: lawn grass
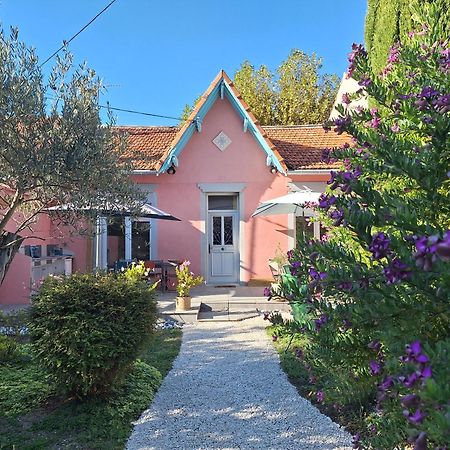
[[32, 418], [349, 417]]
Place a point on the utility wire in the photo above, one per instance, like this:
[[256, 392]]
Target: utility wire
[[76, 34], [139, 112]]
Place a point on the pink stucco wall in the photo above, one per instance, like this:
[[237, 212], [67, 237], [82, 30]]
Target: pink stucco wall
[[17, 285], [202, 162]]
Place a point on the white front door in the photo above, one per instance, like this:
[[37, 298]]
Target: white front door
[[223, 247]]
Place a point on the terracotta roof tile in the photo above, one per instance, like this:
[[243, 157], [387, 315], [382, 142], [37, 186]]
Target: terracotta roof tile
[[301, 146], [146, 145]]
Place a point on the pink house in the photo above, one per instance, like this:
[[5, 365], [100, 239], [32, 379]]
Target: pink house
[[211, 173]]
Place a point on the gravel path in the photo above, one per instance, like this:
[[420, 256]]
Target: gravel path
[[227, 391]]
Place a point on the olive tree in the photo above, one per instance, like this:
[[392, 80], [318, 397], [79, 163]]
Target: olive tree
[[54, 148]]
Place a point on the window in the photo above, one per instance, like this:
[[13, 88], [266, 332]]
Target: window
[[304, 227], [222, 202], [140, 240]]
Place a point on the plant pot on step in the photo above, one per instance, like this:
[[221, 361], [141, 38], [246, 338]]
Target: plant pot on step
[[183, 303]]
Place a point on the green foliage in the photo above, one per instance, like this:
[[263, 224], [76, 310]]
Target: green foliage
[[297, 362], [23, 386], [297, 93], [8, 349], [55, 149], [95, 423], [88, 329], [162, 350], [186, 279], [390, 21], [379, 284]]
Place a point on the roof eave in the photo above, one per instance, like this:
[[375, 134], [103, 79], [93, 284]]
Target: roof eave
[[202, 108]]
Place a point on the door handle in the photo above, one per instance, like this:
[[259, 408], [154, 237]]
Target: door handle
[[209, 248], [222, 249]]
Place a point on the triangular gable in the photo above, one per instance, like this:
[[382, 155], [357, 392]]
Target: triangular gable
[[221, 87]]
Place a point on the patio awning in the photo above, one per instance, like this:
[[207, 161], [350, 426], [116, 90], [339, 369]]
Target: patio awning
[[145, 210], [292, 203]]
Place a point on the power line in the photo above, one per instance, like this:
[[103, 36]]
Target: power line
[[140, 112], [76, 34]]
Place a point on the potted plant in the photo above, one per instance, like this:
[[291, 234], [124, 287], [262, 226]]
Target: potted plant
[[185, 281]]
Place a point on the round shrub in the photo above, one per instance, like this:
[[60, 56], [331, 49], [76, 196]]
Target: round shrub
[[87, 330]]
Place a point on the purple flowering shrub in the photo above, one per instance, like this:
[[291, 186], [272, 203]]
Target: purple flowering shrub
[[379, 286]]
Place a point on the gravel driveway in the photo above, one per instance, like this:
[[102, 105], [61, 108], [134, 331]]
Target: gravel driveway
[[227, 391]]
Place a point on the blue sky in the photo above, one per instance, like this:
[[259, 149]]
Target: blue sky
[[156, 56]]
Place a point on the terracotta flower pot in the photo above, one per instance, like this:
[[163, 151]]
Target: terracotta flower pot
[[183, 303]]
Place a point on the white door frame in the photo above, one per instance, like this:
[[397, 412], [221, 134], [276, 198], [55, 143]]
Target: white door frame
[[221, 188]]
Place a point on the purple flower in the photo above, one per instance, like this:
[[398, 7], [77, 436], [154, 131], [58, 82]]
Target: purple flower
[[396, 271], [416, 418], [322, 320], [356, 441], [295, 265], [326, 156], [375, 367], [411, 380], [387, 383], [266, 292], [426, 372], [317, 275], [326, 201], [365, 81], [413, 350], [357, 52], [375, 345], [380, 246], [442, 103], [346, 324], [410, 401], [394, 53], [443, 247], [346, 99], [428, 92], [341, 123], [320, 396], [345, 285], [426, 248], [338, 216], [395, 128], [274, 337], [421, 442]]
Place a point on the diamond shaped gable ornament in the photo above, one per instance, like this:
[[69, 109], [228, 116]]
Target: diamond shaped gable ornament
[[222, 141]]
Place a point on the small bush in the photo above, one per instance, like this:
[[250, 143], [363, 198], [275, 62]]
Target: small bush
[[8, 349], [87, 330]]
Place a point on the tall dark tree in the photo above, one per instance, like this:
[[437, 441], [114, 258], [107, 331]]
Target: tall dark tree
[[390, 21]]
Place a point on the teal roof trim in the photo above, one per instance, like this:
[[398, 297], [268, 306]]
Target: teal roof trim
[[215, 94]]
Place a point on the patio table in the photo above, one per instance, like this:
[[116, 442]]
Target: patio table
[[166, 266]]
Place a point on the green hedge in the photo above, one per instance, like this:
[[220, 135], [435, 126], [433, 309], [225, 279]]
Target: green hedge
[[87, 330]]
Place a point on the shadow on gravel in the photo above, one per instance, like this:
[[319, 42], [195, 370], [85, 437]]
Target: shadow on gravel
[[227, 391]]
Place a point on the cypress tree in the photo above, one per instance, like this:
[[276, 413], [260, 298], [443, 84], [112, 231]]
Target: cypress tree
[[390, 21]]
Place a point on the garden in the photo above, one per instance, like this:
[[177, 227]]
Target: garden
[[83, 362], [369, 340]]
